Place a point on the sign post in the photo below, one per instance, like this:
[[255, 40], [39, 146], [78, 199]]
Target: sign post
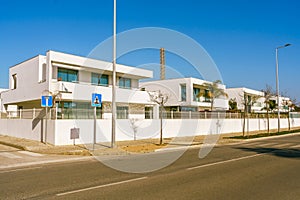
[[46, 101], [96, 102]]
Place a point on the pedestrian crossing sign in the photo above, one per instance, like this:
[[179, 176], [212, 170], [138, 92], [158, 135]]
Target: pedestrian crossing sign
[[96, 100]]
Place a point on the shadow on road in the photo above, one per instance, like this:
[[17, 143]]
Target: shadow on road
[[287, 153]]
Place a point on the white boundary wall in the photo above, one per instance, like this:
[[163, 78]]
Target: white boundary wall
[[22, 128], [58, 132]]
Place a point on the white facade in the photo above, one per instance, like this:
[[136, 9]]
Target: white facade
[[1, 104], [239, 95], [284, 103], [73, 79], [183, 94]]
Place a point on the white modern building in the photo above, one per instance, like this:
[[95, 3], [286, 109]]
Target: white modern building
[[1, 105], [254, 98], [71, 80], [284, 103], [186, 94]]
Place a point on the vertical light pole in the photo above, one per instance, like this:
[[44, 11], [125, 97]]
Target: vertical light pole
[[46, 121], [95, 128], [113, 101], [277, 85]]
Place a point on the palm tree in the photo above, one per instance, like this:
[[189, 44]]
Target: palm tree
[[214, 92], [232, 105], [289, 105], [248, 101]]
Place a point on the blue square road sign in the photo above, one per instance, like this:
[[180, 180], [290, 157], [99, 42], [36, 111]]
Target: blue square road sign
[[96, 100], [47, 101]]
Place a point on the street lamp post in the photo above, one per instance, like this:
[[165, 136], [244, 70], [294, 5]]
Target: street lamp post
[[277, 85], [113, 102]]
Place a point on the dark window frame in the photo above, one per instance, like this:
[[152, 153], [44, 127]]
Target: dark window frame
[[101, 79], [67, 75], [123, 83]]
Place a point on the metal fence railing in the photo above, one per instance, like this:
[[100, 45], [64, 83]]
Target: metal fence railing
[[223, 115], [71, 113]]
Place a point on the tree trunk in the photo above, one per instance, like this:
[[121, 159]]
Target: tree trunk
[[244, 122], [161, 131], [211, 104], [289, 120], [268, 121]]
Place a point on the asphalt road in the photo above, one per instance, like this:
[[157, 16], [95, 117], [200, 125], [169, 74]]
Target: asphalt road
[[260, 169]]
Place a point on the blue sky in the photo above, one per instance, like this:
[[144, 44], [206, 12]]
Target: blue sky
[[240, 35]]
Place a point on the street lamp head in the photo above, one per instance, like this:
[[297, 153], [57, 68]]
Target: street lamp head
[[286, 45]]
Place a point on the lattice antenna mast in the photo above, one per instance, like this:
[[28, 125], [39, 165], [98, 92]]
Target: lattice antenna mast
[[162, 64]]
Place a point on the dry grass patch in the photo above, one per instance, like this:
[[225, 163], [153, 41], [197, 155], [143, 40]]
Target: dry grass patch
[[142, 148]]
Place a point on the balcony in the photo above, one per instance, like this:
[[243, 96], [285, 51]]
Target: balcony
[[80, 91]]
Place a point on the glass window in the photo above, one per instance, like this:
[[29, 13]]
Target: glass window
[[67, 75], [185, 109], [125, 83], [183, 92], [122, 112], [148, 112], [99, 79], [207, 96], [77, 110], [196, 92]]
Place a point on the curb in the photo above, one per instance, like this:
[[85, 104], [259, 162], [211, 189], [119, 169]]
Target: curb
[[24, 148], [14, 145], [45, 162], [228, 144], [184, 147], [270, 137]]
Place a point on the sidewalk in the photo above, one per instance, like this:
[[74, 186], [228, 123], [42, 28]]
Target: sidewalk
[[123, 147]]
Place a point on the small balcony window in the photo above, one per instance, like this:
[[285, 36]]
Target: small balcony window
[[44, 73], [99, 79], [14, 81], [67, 75], [196, 94], [125, 83], [183, 92], [207, 96]]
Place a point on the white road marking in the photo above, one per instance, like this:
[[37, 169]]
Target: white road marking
[[101, 186], [31, 153], [9, 155], [225, 161]]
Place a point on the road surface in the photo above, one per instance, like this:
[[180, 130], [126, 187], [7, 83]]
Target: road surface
[[259, 169]]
